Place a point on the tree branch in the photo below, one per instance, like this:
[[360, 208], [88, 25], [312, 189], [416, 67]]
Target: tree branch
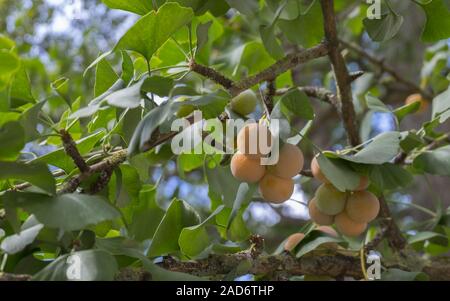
[[392, 232], [386, 68], [270, 73], [268, 97], [71, 149], [341, 74]]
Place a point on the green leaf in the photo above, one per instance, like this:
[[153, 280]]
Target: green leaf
[[95, 265], [178, 216], [314, 244], [195, 239], [437, 26], [154, 29], [247, 7], [35, 173], [203, 34], [6, 43], [376, 104], [68, 212], [140, 7], [297, 102], [406, 110], [61, 88], [127, 67], [12, 140], [158, 85], [254, 57], [270, 41], [9, 62], [338, 173], [105, 77], [29, 231], [435, 161], [422, 236], [389, 176], [441, 106], [399, 275], [384, 29], [411, 141], [307, 28], [20, 89], [59, 157], [222, 184], [243, 196], [146, 215], [381, 149], [129, 97], [148, 125], [29, 120]]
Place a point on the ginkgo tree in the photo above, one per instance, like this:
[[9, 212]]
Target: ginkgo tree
[[92, 200]]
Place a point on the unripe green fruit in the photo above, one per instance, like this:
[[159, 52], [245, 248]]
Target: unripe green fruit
[[184, 110], [317, 216], [329, 200], [244, 103]]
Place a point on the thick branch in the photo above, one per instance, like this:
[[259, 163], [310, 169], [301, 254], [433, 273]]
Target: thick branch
[[386, 68], [341, 74]]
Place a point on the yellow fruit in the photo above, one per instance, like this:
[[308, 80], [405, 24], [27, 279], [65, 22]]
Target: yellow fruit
[[244, 103], [347, 226], [363, 184], [253, 139], [362, 206], [327, 230], [317, 173], [292, 241], [290, 162], [184, 110], [275, 189], [246, 169], [329, 200], [317, 216], [417, 98]]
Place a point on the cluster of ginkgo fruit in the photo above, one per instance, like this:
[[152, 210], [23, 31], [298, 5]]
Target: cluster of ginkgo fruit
[[349, 211], [275, 181]]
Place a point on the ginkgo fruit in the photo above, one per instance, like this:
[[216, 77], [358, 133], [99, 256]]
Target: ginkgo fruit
[[244, 103], [347, 226], [275, 189], [329, 200], [417, 98], [290, 162], [317, 172], [317, 216], [292, 241], [254, 140], [362, 206], [246, 169]]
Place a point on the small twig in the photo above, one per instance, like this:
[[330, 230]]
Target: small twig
[[307, 173], [319, 93], [355, 75], [102, 181], [71, 149]]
